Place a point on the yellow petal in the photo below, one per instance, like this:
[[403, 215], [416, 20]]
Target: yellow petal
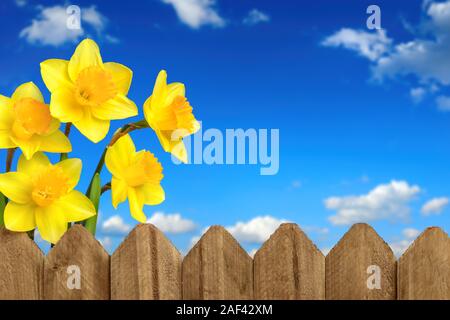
[[16, 186], [55, 74], [51, 223], [118, 191], [75, 206], [56, 142], [136, 202], [121, 74], [87, 54], [32, 167], [119, 155], [159, 90], [174, 90], [29, 147], [153, 194], [28, 90], [64, 106], [6, 113], [19, 217], [5, 140], [119, 107], [72, 169], [178, 150], [176, 147], [93, 128], [55, 124], [163, 139]]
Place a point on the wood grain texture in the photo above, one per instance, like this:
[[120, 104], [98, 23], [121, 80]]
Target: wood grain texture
[[217, 268], [424, 269], [146, 266], [347, 263], [289, 266], [77, 248], [21, 267]]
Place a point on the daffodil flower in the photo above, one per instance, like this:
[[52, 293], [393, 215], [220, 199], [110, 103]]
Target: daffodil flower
[[42, 194], [169, 114], [26, 122], [88, 92], [135, 175]]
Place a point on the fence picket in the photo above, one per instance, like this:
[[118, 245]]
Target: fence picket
[[349, 274], [77, 251], [289, 266], [424, 269], [217, 268], [146, 266], [21, 267]]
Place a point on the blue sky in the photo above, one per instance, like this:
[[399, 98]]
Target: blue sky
[[362, 114]]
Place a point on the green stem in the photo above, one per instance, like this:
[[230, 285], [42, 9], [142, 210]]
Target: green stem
[[9, 158], [95, 190], [3, 199], [119, 134], [64, 156], [106, 187]]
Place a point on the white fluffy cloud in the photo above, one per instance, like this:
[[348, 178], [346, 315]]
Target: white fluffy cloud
[[399, 247], [386, 201], [197, 13], [50, 26], [256, 230], [171, 223], [256, 16], [426, 57], [434, 206], [443, 103], [115, 226], [371, 45]]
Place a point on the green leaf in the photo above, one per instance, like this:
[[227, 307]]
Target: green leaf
[[2, 208], [94, 194]]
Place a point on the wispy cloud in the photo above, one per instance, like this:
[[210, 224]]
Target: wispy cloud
[[172, 223], [434, 206], [197, 13], [366, 44], [400, 246], [50, 26], [115, 226], [256, 16], [426, 57], [384, 202]]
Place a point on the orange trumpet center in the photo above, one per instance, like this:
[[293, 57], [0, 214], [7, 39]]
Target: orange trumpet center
[[32, 117], [94, 86], [49, 185]]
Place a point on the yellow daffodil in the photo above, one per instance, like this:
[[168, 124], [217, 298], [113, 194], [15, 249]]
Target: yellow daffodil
[[88, 92], [42, 195], [169, 113], [26, 122], [135, 175]]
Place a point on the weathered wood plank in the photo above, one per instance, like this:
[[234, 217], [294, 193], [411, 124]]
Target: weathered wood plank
[[217, 268], [289, 266], [355, 260], [146, 266], [424, 269], [21, 267], [77, 251]]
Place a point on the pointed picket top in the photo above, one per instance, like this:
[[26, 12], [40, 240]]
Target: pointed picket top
[[77, 268], [21, 267], [146, 266], [424, 268], [217, 268], [361, 266], [289, 266]]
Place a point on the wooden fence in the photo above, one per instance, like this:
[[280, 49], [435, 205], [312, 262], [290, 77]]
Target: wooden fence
[[287, 266]]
